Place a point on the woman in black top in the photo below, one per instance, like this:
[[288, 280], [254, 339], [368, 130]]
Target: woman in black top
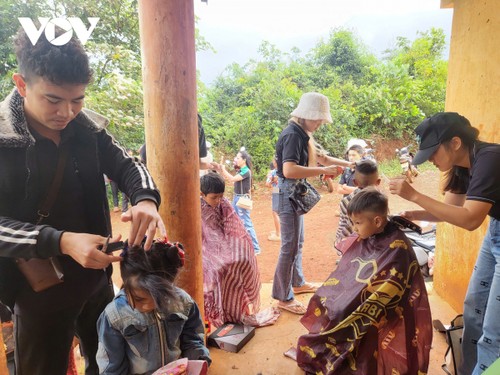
[[473, 191], [242, 188], [297, 158]]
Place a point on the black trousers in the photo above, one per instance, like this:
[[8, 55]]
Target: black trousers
[[43, 342]]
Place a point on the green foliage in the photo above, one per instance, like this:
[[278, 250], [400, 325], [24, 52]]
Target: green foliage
[[10, 11], [249, 104], [343, 53], [391, 168], [114, 48]]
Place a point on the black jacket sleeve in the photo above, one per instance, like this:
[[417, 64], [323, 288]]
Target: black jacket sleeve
[[129, 172], [24, 240]]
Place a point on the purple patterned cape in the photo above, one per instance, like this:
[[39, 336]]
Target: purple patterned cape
[[372, 315]]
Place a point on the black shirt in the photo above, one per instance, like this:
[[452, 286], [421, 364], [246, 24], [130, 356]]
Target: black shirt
[[347, 177], [484, 183], [243, 186], [292, 146], [67, 213], [202, 144]]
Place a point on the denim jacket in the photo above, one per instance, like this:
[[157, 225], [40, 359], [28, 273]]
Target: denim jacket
[[131, 342]]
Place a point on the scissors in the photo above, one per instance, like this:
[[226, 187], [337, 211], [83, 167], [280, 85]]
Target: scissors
[[108, 248]]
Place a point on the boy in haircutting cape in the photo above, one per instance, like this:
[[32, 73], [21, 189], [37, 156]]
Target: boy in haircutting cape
[[372, 315]]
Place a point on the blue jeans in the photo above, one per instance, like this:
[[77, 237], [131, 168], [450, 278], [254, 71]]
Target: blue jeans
[[247, 222], [481, 338], [289, 268]]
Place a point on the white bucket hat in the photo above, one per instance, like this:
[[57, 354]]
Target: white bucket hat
[[313, 106]]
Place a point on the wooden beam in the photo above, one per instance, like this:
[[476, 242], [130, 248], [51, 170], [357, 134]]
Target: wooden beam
[[170, 114], [447, 4]]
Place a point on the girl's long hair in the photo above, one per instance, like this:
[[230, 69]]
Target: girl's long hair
[[248, 160], [154, 271], [311, 145]]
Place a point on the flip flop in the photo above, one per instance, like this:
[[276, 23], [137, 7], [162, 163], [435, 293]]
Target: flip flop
[[306, 288], [295, 307]]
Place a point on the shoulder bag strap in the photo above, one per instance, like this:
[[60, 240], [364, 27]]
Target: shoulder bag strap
[[44, 210]]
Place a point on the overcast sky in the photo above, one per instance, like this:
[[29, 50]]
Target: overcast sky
[[235, 28]]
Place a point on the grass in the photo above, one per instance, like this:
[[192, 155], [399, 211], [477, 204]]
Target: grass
[[391, 168]]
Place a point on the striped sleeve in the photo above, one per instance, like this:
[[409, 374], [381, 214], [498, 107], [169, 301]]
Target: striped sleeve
[[345, 228], [25, 240]]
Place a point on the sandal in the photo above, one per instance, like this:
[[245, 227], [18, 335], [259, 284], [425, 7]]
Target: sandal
[[294, 306], [306, 288]]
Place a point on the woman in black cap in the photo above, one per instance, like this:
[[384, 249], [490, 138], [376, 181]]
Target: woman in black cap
[[472, 191]]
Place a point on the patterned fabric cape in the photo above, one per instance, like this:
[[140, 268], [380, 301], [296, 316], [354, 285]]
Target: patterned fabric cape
[[231, 278], [372, 314]]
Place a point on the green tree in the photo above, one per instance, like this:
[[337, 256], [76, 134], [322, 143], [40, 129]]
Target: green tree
[[344, 53], [11, 10], [114, 50]]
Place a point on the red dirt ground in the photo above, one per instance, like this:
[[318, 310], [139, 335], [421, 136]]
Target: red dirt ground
[[320, 226]]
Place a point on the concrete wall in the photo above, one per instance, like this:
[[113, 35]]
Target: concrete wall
[[473, 90]]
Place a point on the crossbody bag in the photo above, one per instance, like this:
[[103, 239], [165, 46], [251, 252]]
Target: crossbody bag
[[42, 274]]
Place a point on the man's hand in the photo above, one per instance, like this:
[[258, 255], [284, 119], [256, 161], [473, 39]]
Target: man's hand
[[144, 218], [84, 249]]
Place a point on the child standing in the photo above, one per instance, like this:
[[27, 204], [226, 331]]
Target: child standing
[[372, 315], [366, 174], [150, 322], [272, 182], [346, 183]]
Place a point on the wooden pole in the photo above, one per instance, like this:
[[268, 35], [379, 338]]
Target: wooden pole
[[169, 80], [3, 355]]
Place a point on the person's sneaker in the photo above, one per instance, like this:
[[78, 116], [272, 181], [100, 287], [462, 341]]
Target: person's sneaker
[[273, 237], [116, 209]]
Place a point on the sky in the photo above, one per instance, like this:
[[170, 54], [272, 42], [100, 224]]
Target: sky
[[236, 28]]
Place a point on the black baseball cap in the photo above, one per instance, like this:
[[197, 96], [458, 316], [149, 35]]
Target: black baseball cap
[[434, 130]]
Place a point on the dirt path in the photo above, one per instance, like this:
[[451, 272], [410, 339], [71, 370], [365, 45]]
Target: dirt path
[[320, 226]]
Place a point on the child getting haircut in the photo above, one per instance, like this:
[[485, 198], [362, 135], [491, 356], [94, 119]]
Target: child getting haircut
[[372, 315], [151, 322]]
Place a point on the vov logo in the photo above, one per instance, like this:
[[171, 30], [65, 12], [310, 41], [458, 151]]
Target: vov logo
[[49, 26]]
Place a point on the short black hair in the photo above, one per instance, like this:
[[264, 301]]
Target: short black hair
[[66, 64], [153, 271], [359, 149], [369, 200], [365, 173], [366, 167], [212, 183]]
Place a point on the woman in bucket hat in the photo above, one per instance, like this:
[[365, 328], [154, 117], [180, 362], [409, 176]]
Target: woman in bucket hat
[[472, 191], [297, 158]]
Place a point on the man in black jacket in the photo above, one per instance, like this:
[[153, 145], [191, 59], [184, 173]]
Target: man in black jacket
[[43, 113]]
